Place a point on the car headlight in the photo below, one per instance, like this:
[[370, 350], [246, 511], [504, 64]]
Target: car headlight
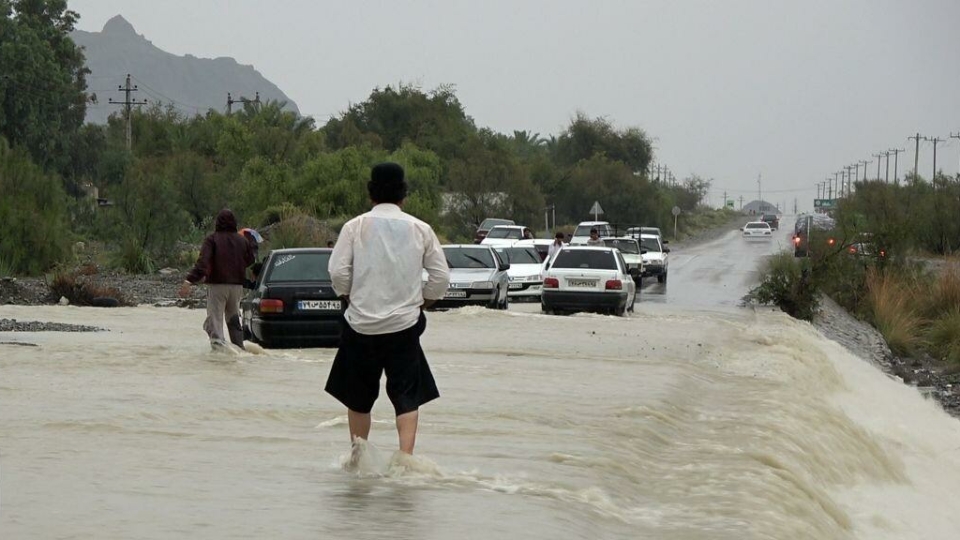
[[482, 285]]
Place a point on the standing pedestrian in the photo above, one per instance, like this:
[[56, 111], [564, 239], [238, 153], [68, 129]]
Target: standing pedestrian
[[594, 239], [222, 265], [377, 267], [556, 246]]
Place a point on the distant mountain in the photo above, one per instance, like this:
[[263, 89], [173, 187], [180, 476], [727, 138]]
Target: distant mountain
[[193, 85]]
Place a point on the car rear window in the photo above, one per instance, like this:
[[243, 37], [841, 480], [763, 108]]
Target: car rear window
[[585, 258], [584, 230], [490, 223], [504, 232], [625, 246], [287, 267], [757, 226], [520, 255], [469, 258]]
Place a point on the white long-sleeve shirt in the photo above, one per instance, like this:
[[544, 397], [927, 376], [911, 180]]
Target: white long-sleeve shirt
[[379, 260]]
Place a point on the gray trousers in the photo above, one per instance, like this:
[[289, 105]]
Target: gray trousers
[[223, 302]]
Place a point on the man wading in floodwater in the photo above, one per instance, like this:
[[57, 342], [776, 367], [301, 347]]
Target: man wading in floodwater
[[377, 267], [222, 265]]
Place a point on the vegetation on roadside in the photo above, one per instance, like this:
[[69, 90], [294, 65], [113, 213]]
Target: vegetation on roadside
[[82, 291], [267, 163]]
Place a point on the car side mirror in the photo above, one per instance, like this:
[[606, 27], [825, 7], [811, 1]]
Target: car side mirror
[[505, 266], [643, 251]]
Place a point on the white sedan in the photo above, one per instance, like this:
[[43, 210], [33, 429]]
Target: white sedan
[[588, 279], [525, 273], [506, 235], [757, 230]]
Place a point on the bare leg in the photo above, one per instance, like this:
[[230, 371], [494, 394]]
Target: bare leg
[[407, 428], [359, 424]]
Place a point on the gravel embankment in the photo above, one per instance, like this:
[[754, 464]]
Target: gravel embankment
[[13, 325]]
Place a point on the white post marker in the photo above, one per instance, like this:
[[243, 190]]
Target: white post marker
[[596, 210], [676, 212]]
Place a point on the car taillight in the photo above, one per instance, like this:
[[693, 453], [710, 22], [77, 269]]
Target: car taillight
[[614, 285], [831, 241], [883, 253], [796, 240], [853, 249], [551, 283], [268, 305]]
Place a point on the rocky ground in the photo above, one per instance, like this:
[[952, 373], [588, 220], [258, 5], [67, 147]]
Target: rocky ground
[[13, 325], [152, 289]]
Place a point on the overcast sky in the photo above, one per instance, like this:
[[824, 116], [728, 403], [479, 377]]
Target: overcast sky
[[727, 89]]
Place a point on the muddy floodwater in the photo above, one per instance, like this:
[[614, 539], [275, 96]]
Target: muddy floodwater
[[691, 419]]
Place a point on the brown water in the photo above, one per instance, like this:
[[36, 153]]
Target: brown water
[[678, 422]]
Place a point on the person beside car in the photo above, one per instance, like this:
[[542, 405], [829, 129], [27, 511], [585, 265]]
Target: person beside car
[[556, 246], [594, 239]]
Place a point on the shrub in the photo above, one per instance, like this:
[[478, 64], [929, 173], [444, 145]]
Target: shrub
[[133, 257], [299, 230], [944, 336], [891, 301], [944, 296], [787, 284], [81, 292]]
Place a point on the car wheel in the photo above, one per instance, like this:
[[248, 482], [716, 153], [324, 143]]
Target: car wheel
[[506, 302], [634, 303], [662, 278]]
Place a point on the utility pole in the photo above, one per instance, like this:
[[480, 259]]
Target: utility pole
[[865, 163], [818, 189], [741, 203], [916, 155], [724, 203], [878, 156], [794, 206], [956, 136], [128, 104], [896, 154], [759, 192], [887, 177], [231, 101], [856, 173], [935, 141]]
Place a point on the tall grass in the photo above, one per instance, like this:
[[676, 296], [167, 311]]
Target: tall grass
[[894, 307], [944, 336], [6, 267]]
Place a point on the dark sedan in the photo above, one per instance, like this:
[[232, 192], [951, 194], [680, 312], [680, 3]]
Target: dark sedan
[[293, 302]]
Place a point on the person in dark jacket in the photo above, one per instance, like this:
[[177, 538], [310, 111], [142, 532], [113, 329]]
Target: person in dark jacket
[[222, 265]]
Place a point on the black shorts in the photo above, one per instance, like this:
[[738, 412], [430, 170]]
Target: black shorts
[[355, 376]]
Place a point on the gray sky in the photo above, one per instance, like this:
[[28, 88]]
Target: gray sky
[[728, 89]]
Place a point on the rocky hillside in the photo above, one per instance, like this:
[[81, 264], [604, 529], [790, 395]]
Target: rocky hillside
[[193, 85]]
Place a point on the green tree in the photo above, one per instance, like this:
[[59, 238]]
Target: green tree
[[584, 138], [42, 78], [33, 215]]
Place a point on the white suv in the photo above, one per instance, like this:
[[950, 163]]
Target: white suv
[[582, 232]]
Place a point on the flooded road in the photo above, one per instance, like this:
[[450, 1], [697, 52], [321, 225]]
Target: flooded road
[[692, 418]]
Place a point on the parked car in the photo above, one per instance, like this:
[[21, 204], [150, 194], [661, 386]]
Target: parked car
[[655, 257], [478, 277], [293, 300], [771, 219], [757, 230], [588, 279], [506, 235], [541, 245], [632, 255], [488, 224], [525, 273], [582, 233], [813, 232]]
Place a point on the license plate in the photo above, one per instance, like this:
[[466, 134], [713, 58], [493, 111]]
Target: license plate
[[318, 305], [516, 285], [455, 294], [585, 283]]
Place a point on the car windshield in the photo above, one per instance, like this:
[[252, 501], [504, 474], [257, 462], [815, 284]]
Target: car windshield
[[650, 244], [286, 267], [585, 258], [519, 255], [505, 232], [490, 223], [757, 226], [625, 246], [584, 230], [469, 257]]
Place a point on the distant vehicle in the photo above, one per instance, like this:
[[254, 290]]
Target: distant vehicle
[[542, 245], [812, 232], [632, 255], [771, 219], [525, 273], [478, 277], [505, 235], [757, 230], [582, 278], [488, 224], [655, 257], [582, 233], [293, 300]]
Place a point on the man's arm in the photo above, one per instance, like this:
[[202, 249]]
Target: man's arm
[[341, 262], [201, 268], [438, 274]]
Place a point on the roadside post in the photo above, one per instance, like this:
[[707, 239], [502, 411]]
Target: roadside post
[[676, 212]]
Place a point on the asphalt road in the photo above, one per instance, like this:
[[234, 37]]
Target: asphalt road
[[714, 274]]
